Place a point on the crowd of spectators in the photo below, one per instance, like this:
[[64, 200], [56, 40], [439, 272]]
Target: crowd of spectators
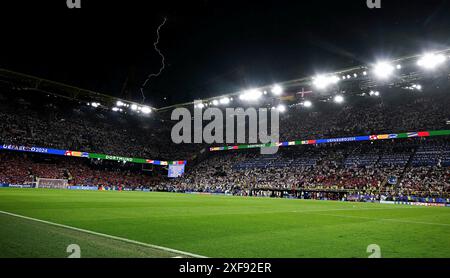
[[420, 168], [25, 169], [83, 128], [399, 113], [79, 127], [326, 169]]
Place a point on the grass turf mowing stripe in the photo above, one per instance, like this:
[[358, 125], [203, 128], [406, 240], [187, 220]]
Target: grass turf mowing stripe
[[387, 219], [169, 250], [230, 227]]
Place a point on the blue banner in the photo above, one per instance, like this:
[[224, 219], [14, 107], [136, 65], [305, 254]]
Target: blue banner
[[32, 149]]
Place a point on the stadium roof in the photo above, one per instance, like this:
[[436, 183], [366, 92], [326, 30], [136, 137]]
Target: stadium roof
[[359, 79]]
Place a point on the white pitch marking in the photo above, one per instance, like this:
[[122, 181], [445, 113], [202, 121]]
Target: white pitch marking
[[105, 235]]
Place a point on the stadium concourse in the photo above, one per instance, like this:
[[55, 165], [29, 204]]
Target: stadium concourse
[[415, 169]]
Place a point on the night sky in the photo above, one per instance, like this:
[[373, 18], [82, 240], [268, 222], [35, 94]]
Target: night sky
[[211, 47]]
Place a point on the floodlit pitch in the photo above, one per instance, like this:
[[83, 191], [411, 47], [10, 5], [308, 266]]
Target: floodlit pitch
[[140, 224]]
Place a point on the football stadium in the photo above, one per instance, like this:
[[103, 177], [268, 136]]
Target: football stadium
[[354, 163]]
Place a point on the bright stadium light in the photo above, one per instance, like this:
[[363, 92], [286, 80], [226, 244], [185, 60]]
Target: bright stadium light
[[323, 81], [307, 103], [200, 106], [251, 95], [374, 93], [277, 90], [95, 104], [281, 108], [119, 103], [399, 67], [134, 107], [431, 61], [365, 73], [224, 101], [339, 99], [383, 70], [146, 110], [417, 87], [215, 102], [115, 109]]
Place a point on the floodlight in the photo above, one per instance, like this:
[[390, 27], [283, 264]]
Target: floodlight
[[338, 99], [281, 108], [417, 87], [134, 107], [215, 102], [251, 95], [431, 61], [383, 70], [277, 90], [146, 110], [224, 100], [307, 103], [322, 81]]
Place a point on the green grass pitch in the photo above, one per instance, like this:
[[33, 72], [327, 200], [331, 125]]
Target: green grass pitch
[[215, 226]]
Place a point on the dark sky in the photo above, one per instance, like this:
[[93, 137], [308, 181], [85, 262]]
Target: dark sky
[[211, 47]]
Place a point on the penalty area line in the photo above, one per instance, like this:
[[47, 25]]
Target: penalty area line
[[161, 248]]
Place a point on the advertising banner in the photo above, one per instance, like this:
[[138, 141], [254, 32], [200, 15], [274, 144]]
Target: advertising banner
[[88, 155], [337, 140]]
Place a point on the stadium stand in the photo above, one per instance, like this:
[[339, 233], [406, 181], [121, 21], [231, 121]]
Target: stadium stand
[[22, 169], [327, 169], [410, 168]]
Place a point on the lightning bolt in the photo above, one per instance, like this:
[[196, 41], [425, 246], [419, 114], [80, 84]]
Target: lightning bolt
[[163, 60]]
